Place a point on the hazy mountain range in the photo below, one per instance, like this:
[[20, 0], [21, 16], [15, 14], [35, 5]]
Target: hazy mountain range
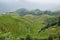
[[12, 5]]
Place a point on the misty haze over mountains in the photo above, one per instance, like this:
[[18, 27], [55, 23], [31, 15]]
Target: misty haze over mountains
[[12, 5]]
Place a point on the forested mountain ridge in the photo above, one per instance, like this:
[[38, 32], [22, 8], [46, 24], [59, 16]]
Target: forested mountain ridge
[[24, 11]]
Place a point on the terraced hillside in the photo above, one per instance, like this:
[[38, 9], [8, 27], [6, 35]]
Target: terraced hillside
[[15, 27]]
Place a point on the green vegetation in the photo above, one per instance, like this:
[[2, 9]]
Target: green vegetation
[[27, 27]]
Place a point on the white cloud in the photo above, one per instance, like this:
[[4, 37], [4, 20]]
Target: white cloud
[[9, 0], [30, 4], [44, 1]]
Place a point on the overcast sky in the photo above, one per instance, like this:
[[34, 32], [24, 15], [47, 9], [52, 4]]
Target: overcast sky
[[11, 5]]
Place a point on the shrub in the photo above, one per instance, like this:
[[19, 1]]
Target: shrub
[[28, 37]]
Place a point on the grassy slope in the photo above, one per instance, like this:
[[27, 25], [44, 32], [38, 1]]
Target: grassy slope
[[21, 26]]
